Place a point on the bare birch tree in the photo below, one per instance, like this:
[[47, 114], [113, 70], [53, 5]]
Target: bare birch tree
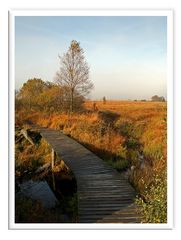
[[74, 73]]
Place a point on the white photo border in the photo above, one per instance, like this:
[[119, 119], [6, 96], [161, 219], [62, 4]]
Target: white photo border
[[93, 12]]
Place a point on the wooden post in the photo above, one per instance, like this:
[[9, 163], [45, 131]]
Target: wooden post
[[53, 158], [53, 181], [53, 164]]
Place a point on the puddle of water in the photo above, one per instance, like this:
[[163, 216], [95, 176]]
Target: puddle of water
[[39, 190]]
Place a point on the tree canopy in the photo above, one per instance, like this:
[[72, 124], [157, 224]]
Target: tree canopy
[[36, 94], [74, 73]]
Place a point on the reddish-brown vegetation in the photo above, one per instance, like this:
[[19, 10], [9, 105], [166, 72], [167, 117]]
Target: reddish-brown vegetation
[[128, 135]]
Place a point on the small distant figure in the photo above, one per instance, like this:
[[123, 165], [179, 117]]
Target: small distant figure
[[104, 100], [95, 107]]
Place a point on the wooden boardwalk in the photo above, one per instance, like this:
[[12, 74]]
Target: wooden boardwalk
[[103, 195]]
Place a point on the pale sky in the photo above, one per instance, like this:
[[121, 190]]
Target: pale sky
[[126, 55]]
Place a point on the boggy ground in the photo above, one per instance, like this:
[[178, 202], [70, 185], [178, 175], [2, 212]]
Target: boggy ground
[[29, 160], [129, 135]]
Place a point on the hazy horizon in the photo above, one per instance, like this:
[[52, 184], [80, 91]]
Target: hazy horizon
[[126, 55]]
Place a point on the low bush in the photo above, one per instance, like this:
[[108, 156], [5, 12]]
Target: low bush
[[154, 204], [29, 157], [31, 211]]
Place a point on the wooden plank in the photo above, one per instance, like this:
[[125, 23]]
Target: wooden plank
[[107, 212], [105, 189], [95, 204], [108, 207]]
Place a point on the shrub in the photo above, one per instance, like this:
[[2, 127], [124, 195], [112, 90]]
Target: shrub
[[29, 157], [121, 164], [31, 211], [154, 207]]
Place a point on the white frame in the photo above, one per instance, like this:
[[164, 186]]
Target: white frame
[[12, 15]]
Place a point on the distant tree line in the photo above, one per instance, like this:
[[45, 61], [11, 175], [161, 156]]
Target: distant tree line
[[156, 98]]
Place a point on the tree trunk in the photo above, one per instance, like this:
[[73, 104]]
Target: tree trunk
[[72, 100]]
